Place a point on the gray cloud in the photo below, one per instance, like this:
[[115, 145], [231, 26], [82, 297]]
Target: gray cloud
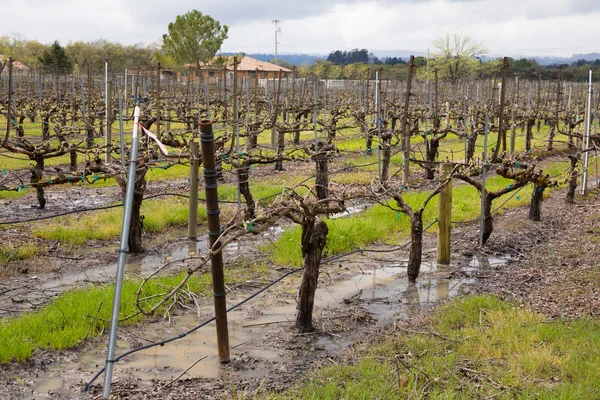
[[315, 25]]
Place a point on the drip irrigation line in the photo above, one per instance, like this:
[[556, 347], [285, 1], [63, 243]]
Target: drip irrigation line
[[87, 209], [184, 334], [263, 289]]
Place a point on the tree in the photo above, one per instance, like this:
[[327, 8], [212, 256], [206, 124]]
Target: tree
[[456, 55], [321, 68], [55, 59], [194, 38], [349, 57], [282, 63]]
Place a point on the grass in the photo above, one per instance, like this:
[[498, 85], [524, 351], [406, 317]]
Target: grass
[[84, 313], [380, 224], [474, 347], [24, 251], [76, 230]]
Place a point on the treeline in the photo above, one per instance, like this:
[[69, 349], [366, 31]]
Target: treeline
[[361, 56], [77, 57], [338, 66]]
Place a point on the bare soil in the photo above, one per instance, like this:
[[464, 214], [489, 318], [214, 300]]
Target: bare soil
[[551, 268]]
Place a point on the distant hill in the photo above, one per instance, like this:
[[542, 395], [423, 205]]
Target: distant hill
[[403, 54], [299, 59], [566, 60], [296, 59]]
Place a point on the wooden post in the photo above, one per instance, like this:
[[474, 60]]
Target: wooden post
[[207, 140], [158, 101], [8, 104], [501, 131], [193, 204], [108, 120], [513, 130], [406, 124], [444, 218]]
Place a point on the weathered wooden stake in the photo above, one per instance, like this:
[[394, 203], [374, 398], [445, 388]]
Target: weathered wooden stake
[[444, 218], [406, 124], [108, 120], [513, 129], [193, 203], [207, 140]]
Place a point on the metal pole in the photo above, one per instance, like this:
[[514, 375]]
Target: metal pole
[[586, 141], [207, 140], [378, 103], [595, 147], [114, 322], [465, 141], [484, 161], [108, 121], [125, 94]]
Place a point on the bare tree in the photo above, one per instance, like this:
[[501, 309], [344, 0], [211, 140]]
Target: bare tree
[[456, 55]]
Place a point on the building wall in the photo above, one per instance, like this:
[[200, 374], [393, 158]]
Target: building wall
[[213, 75]]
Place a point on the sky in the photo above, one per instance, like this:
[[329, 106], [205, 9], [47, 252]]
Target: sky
[[506, 27]]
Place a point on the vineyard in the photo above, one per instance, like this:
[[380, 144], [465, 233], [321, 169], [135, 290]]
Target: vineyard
[[301, 218]]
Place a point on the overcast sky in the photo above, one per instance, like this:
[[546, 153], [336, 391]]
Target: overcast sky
[[507, 27]]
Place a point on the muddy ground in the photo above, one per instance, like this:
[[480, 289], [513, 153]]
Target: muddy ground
[[548, 266]]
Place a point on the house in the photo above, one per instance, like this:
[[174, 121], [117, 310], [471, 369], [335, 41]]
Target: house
[[17, 66], [248, 67]]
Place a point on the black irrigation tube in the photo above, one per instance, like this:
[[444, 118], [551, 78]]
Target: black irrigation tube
[[102, 208], [86, 387], [86, 209], [159, 195], [184, 334]]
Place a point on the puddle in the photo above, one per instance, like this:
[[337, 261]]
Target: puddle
[[481, 263], [273, 231], [381, 292], [33, 291], [349, 211], [384, 293], [50, 385]]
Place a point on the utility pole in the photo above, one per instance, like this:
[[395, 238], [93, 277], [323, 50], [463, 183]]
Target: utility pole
[[277, 31]]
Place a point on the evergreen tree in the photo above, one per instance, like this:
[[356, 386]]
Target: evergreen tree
[[55, 59]]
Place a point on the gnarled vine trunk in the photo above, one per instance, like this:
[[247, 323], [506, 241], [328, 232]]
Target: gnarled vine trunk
[[535, 207], [551, 134], [243, 173], [314, 237], [574, 159], [488, 220], [529, 134], [416, 246], [433, 146], [136, 227]]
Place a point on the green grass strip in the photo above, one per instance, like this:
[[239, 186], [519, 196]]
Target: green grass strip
[[380, 224], [78, 314], [473, 348], [76, 230]]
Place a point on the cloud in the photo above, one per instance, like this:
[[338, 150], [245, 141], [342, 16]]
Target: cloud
[[318, 26]]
